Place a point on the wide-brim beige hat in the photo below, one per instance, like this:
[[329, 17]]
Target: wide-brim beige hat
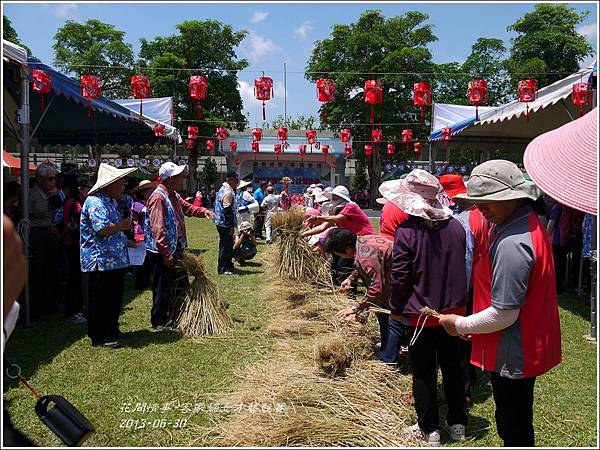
[[144, 185], [108, 175], [497, 180], [243, 184], [416, 195]]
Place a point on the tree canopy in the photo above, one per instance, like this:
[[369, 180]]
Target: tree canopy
[[11, 35], [96, 48]]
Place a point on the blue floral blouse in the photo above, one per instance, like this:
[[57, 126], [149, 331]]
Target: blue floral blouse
[[98, 252]]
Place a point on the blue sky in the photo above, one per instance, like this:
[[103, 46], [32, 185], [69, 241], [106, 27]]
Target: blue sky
[[278, 32]]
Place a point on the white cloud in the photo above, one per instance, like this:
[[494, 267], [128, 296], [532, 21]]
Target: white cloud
[[247, 93], [589, 30], [257, 46], [259, 16], [303, 30], [66, 10]]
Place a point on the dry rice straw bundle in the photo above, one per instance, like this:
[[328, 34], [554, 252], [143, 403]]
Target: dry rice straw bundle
[[202, 311], [295, 259]]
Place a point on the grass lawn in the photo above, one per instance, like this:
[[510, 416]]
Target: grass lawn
[[176, 375]]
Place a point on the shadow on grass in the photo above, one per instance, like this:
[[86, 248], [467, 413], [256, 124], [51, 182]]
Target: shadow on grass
[[252, 264], [574, 304], [197, 251], [143, 338]]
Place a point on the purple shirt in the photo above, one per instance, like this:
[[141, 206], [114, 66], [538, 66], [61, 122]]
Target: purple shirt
[[428, 267]]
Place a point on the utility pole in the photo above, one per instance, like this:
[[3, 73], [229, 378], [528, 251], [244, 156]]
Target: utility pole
[[284, 92]]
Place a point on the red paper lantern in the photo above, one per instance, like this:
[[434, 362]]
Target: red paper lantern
[[190, 144], [477, 94], [528, 92], [263, 91], [582, 95], [198, 91], [373, 96], [391, 149], [192, 132], [446, 136], [422, 96], [407, 138], [210, 145], [90, 89], [282, 134], [277, 150], [325, 93], [348, 150], [325, 149], [232, 146], [302, 149], [345, 135], [418, 147], [311, 136], [222, 134], [140, 88], [159, 130], [255, 148], [376, 135], [368, 149], [257, 134], [42, 84]]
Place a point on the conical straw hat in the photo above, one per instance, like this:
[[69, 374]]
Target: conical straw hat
[[109, 174]]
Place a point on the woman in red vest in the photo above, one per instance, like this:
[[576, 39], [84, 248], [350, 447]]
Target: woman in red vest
[[515, 327]]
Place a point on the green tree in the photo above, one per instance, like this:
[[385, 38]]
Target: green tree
[[361, 179], [207, 47], [96, 48], [374, 45], [300, 123], [11, 35], [209, 174], [547, 42]]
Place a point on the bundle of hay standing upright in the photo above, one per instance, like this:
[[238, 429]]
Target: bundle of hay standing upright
[[295, 259], [202, 312]]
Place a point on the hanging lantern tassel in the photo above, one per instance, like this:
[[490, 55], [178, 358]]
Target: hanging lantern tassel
[[372, 115], [141, 106], [477, 113], [527, 112], [42, 105], [198, 106], [422, 115], [89, 108], [264, 113]]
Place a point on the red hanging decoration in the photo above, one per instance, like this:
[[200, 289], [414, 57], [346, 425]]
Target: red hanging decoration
[[446, 136], [391, 149], [477, 94], [376, 136], [418, 147], [263, 91], [325, 149], [325, 93], [407, 138], [582, 95], [159, 131], [198, 91], [42, 84], [257, 134], [222, 134], [140, 87], [528, 92], [348, 150], [192, 132], [255, 148], [311, 136], [190, 144], [368, 150], [277, 150], [302, 150], [373, 96], [282, 134], [90, 89], [232, 146], [345, 135], [210, 145], [422, 96]]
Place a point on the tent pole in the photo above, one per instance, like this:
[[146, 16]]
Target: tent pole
[[431, 168], [24, 228]]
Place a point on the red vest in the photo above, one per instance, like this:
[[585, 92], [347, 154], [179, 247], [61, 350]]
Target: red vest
[[538, 319]]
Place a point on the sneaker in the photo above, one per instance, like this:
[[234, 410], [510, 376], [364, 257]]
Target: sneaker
[[416, 433], [78, 318], [457, 432], [227, 273]]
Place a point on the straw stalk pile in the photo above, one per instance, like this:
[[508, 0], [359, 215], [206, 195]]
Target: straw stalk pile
[[202, 311]]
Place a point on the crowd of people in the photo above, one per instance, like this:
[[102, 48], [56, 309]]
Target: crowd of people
[[482, 256]]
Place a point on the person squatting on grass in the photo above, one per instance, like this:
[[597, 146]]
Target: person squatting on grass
[[515, 328], [428, 270], [166, 240]]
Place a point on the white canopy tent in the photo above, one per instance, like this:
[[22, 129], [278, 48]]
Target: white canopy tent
[[154, 111]]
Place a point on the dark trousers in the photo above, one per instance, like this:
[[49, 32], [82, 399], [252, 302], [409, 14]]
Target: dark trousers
[[74, 294], [245, 252], [396, 337], [143, 273], [514, 410], [559, 253], [103, 292], [169, 286], [259, 223], [225, 263], [434, 347], [383, 320]]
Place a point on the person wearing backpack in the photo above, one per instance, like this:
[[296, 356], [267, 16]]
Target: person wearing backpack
[[72, 214]]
